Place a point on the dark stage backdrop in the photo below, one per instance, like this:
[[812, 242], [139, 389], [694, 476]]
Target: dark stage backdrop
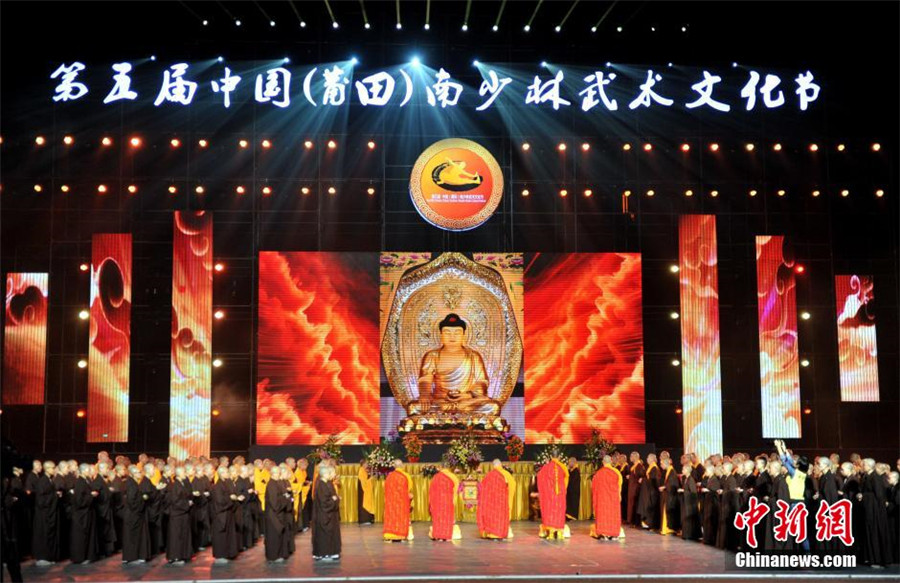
[[829, 256]]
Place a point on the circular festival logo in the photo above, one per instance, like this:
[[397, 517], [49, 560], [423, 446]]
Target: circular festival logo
[[456, 184]]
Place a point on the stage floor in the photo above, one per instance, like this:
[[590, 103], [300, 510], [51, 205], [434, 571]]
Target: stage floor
[[365, 556]]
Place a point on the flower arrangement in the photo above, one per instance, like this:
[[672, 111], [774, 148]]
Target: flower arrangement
[[430, 470], [596, 447], [514, 447], [413, 447], [463, 454], [330, 450], [550, 451], [380, 460]]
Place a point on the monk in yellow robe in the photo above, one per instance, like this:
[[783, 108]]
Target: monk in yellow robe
[[442, 497], [261, 478], [496, 495], [398, 495], [552, 479], [365, 495]]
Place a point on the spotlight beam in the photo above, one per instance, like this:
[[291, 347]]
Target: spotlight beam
[[191, 10], [399, 22], [566, 17], [330, 12], [533, 14], [605, 14], [468, 10], [362, 6], [297, 12], [266, 16], [225, 10], [427, 13], [500, 13]]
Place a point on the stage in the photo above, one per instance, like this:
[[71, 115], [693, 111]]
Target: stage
[[366, 557]]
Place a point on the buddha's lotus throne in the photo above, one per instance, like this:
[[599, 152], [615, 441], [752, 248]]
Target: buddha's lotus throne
[[452, 350]]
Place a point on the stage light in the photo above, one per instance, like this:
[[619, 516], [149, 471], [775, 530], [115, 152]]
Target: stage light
[[371, 145], [495, 28], [676, 362], [84, 315], [219, 267], [84, 267], [132, 188], [304, 190], [841, 147], [734, 65], [670, 65], [40, 140], [68, 140], [648, 147], [777, 147], [205, 23], [237, 22], [674, 315], [593, 29], [82, 363], [544, 64], [221, 59], [714, 147], [427, 26], [367, 26], [217, 362], [627, 193], [876, 147], [804, 363], [332, 144], [608, 64], [799, 268], [563, 193], [266, 190], [807, 411], [753, 192], [243, 143], [332, 190], [173, 189], [525, 192], [152, 57], [674, 268], [399, 26], [354, 61], [845, 193], [526, 146], [683, 29], [135, 142], [816, 193], [266, 144], [308, 145], [80, 413], [38, 188], [561, 147], [64, 188], [678, 410], [101, 188], [626, 147], [302, 24], [814, 147], [879, 193], [750, 147], [219, 314], [240, 189], [714, 193], [781, 192], [588, 192], [805, 315], [585, 147], [199, 190], [415, 61], [689, 193], [465, 27], [651, 193], [526, 28], [370, 191], [618, 29], [202, 143], [106, 141], [175, 142], [652, 29], [215, 412], [271, 23], [685, 147]]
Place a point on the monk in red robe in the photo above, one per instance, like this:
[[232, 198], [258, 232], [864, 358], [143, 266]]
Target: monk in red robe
[[606, 493], [442, 504], [495, 501], [552, 479], [398, 494]]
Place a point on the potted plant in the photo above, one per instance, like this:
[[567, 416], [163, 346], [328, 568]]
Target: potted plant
[[514, 447], [413, 447]]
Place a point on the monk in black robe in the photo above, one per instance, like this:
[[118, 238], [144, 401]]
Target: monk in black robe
[[287, 513], [762, 488], [117, 501], [45, 531], [277, 532], [65, 485], [709, 509], [179, 499], [829, 491], [573, 490], [153, 496], [135, 530], [690, 505], [635, 480], [648, 503], [249, 532], [326, 518], [670, 499], [625, 470], [781, 492], [850, 490], [729, 501], [83, 534], [21, 513], [894, 512], [877, 539], [103, 511], [224, 532], [200, 512]]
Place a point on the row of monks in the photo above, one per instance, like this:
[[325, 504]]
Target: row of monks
[[85, 512]]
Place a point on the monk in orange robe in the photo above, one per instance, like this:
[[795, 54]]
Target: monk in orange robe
[[606, 493], [398, 494], [552, 479], [442, 504], [496, 494]]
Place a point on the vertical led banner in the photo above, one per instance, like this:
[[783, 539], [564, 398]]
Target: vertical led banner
[[109, 350], [857, 351], [192, 268], [701, 375], [779, 367], [25, 339], [584, 347]]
